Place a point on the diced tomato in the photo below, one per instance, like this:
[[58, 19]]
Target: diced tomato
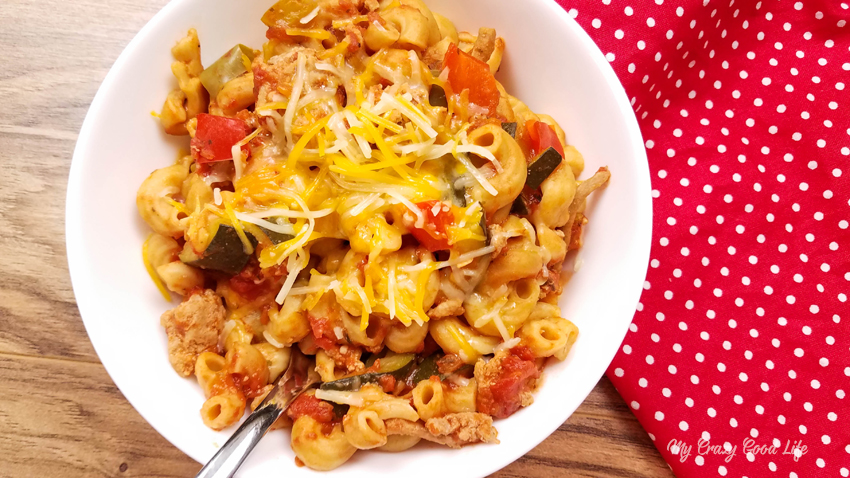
[[387, 383], [542, 136], [250, 283], [322, 331], [469, 73], [321, 411], [433, 235], [503, 397], [215, 137]]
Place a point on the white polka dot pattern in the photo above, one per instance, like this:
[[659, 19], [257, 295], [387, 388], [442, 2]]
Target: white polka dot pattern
[[740, 336]]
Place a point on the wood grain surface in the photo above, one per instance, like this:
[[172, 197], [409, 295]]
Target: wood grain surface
[[60, 414]]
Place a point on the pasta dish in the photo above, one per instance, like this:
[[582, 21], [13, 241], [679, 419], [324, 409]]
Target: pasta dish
[[364, 189]]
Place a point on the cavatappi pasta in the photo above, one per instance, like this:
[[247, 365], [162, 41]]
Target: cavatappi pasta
[[363, 188]]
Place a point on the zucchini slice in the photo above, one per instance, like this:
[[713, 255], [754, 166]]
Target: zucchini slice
[[276, 237], [437, 96], [353, 383], [510, 128], [224, 254], [519, 207], [540, 169]]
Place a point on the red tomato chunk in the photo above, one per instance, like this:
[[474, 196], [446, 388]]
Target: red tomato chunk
[[432, 235], [542, 137], [322, 412], [216, 136], [469, 73], [506, 379]]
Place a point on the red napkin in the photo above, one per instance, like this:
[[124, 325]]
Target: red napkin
[[737, 361]]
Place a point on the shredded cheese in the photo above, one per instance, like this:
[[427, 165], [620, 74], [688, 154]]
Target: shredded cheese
[[507, 345], [240, 231], [275, 105], [295, 154], [309, 17], [279, 228], [311, 33], [338, 49], [270, 339], [420, 218], [297, 86], [475, 173], [465, 346], [463, 258], [294, 265], [354, 399], [152, 272]]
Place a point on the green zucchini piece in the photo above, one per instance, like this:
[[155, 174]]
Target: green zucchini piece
[[519, 207], [224, 254], [459, 196], [539, 170], [230, 66], [510, 128], [426, 369], [485, 229], [339, 410], [394, 362], [350, 384], [276, 237], [437, 96]]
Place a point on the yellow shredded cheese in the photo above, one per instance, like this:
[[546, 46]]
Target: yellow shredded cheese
[[152, 272], [305, 138], [311, 33]]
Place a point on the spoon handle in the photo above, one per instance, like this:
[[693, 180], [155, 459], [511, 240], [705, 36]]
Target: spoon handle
[[230, 456]]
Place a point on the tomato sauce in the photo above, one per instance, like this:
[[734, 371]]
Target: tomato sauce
[[321, 411]]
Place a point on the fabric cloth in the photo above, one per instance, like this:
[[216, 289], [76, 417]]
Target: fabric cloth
[[738, 353]]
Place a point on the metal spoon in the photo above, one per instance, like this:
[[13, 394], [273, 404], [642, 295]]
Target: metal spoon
[[299, 377]]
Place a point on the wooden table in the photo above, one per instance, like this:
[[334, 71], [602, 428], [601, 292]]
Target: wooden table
[[60, 414]]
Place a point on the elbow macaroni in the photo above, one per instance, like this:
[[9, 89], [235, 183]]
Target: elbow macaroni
[[378, 210]]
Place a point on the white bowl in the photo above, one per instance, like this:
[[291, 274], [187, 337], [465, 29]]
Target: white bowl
[[550, 63]]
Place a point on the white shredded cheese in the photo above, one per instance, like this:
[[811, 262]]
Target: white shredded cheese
[[278, 228], [481, 151], [465, 257], [270, 339], [458, 380], [361, 141], [292, 107], [420, 218], [275, 212], [312, 289], [507, 345], [294, 265], [236, 152], [309, 17], [414, 116], [339, 396], [359, 208], [475, 173]]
